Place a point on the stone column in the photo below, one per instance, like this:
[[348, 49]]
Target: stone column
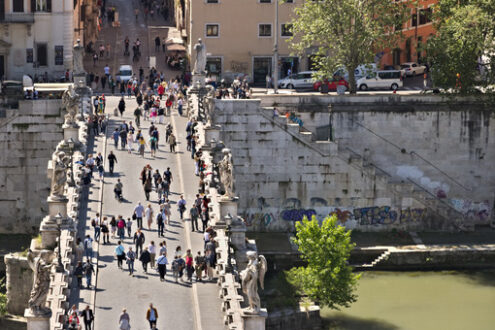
[[255, 321], [36, 322], [48, 227]]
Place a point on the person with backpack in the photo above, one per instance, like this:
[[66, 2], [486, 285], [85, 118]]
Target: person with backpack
[[105, 230], [177, 268], [88, 247]]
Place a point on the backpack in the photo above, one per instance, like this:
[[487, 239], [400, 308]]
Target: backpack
[[93, 222], [159, 218]]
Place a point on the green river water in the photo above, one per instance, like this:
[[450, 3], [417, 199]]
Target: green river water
[[419, 301]]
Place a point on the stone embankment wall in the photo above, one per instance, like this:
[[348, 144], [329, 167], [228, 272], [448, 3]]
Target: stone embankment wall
[[28, 136], [444, 145], [283, 174]]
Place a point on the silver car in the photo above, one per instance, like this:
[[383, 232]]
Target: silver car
[[297, 80]]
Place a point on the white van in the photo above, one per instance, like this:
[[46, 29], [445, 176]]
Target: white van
[[297, 80], [389, 79], [125, 73]]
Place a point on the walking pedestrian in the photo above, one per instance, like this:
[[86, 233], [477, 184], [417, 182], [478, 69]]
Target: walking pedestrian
[[182, 206], [139, 240], [88, 247], [131, 256], [193, 212], [130, 140], [88, 272], [120, 253], [78, 273], [116, 135], [147, 188], [152, 316], [128, 224], [200, 266], [157, 44], [96, 222], [189, 265], [145, 258], [121, 106], [167, 211], [172, 142], [162, 265], [88, 317], [79, 249], [124, 321], [142, 146], [138, 212], [121, 227], [113, 226], [149, 215]]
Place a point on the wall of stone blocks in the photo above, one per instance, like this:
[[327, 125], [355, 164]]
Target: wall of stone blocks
[[28, 136], [280, 177], [19, 283]]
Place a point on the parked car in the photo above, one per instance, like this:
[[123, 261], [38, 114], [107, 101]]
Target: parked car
[[412, 69], [125, 73], [297, 80], [385, 79], [332, 84], [362, 70]]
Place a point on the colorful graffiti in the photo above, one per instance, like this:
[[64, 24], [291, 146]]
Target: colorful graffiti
[[297, 214], [475, 211], [342, 215], [385, 215], [259, 219]]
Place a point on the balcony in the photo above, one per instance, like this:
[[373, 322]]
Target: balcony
[[17, 18]]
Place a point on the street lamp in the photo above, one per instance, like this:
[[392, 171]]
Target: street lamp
[[71, 143], [60, 267], [275, 51]]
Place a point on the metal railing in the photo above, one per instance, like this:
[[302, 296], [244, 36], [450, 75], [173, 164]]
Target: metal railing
[[18, 18]]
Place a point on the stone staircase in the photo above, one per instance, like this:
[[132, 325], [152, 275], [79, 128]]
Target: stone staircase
[[446, 215], [375, 262]]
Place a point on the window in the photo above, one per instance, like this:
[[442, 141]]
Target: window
[[265, 1], [41, 5], [211, 1], [59, 55], [41, 55], [214, 65], [286, 30], [289, 1], [18, 6], [424, 17], [264, 30], [29, 55], [212, 30]]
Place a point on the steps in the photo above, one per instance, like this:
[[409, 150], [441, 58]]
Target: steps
[[375, 262]]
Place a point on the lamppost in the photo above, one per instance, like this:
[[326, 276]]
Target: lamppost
[[275, 51], [60, 267], [71, 143]]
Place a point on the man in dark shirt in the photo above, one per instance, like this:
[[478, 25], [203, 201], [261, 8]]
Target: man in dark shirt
[[111, 161]]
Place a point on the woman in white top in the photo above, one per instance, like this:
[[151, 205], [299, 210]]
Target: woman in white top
[[149, 215], [130, 140], [152, 251]]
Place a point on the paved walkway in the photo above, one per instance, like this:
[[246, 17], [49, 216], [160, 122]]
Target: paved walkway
[[180, 305], [145, 30]]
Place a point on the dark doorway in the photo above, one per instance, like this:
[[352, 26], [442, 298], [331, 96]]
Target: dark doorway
[[41, 55], [2, 10], [289, 64], [408, 50], [261, 67], [396, 56]]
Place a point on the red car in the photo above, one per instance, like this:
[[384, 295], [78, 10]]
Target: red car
[[332, 85]]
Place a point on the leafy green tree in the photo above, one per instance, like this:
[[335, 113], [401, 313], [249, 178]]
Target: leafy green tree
[[3, 298], [346, 33], [327, 278], [462, 53]]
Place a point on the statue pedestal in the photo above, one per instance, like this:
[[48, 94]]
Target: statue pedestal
[[36, 322], [198, 81], [212, 133], [227, 206], [79, 80], [48, 232], [255, 321], [71, 131], [57, 205]]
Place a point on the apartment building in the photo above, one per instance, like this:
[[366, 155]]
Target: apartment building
[[417, 30], [239, 35], [37, 37]]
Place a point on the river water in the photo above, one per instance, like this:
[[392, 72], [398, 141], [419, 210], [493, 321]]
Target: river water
[[419, 301]]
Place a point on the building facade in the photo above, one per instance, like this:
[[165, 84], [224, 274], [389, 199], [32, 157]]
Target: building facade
[[37, 37], [239, 35], [416, 31]]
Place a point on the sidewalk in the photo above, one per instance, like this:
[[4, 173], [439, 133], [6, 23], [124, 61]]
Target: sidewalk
[[180, 305]]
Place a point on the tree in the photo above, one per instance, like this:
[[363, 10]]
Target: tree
[[346, 33], [327, 278], [462, 53]]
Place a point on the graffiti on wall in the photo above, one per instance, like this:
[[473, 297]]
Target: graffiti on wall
[[342, 215], [385, 215], [475, 211], [297, 214]]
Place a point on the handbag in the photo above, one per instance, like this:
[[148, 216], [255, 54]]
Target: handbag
[[134, 217]]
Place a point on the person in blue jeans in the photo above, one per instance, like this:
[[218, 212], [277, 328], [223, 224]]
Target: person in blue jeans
[[116, 135], [88, 272], [131, 256], [88, 247]]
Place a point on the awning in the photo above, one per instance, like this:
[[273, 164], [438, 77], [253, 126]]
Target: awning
[[176, 48]]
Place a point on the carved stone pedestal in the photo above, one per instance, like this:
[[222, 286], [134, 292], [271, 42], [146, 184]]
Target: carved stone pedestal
[[71, 131], [79, 81], [227, 206], [36, 322], [198, 81], [255, 321], [212, 133], [48, 232], [57, 205]]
